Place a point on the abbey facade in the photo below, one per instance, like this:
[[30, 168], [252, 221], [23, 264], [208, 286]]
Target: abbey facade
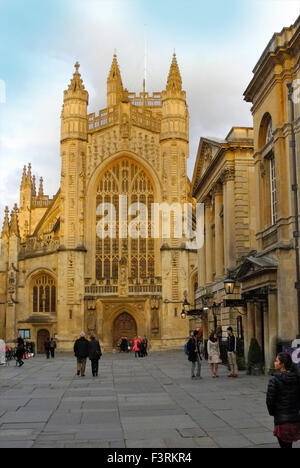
[[64, 269]]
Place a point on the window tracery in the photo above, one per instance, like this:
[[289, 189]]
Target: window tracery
[[125, 177]]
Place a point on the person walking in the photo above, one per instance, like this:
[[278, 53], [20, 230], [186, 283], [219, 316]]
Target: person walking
[[81, 350], [2, 352], [94, 354], [20, 350], [47, 348], [137, 346], [283, 401], [144, 346], [194, 355], [124, 345], [52, 347], [231, 353], [213, 350]]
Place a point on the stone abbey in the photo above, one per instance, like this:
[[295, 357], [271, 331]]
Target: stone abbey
[[57, 276]]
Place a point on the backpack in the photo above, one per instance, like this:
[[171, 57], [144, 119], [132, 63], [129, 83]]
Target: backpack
[[185, 348]]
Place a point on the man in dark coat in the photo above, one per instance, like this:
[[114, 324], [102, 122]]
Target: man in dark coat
[[20, 350], [52, 347], [81, 350], [194, 356], [94, 355], [47, 348]]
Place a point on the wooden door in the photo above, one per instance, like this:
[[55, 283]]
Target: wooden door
[[124, 325], [42, 336]]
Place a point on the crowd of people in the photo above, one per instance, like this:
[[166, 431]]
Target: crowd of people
[[283, 393], [138, 345]]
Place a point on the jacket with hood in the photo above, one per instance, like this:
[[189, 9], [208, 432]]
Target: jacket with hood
[[283, 397]]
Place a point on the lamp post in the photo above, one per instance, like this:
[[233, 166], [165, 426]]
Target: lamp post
[[229, 285], [185, 309], [296, 233]]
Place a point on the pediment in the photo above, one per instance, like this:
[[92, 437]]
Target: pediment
[[207, 152], [255, 265]]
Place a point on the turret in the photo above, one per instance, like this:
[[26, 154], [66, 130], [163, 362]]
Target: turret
[[175, 115], [114, 84], [74, 113]]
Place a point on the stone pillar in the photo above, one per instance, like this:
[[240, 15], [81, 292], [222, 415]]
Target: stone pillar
[[250, 331], [268, 358], [229, 218], [219, 236], [273, 325], [258, 323], [208, 242], [201, 266]]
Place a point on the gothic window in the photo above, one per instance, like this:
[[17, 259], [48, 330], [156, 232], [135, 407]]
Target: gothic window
[[125, 177], [43, 294]]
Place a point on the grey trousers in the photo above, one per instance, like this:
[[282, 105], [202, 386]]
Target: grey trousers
[[198, 364]]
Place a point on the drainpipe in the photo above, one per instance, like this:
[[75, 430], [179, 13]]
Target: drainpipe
[[296, 233]]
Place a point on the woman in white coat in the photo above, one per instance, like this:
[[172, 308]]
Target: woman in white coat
[[2, 352], [213, 350]]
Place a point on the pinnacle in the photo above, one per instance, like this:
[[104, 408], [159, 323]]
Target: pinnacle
[[5, 228], [41, 188], [14, 223], [114, 73], [76, 82], [174, 79]]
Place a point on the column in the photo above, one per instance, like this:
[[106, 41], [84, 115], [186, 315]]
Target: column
[[258, 323], [229, 219], [219, 235], [208, 241], [202, 266], [268, 358], [250, 331], [273, 325]]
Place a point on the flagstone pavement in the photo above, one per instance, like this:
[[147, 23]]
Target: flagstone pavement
[[135, 403]]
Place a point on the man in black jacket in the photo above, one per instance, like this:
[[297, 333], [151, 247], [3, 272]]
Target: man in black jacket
[[94, 354], [81, 350], [194, 357], [231, 353]]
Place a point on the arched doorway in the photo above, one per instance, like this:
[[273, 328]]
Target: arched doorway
[[124, 325], [42, 336]]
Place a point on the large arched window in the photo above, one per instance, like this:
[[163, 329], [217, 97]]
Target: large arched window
[[43, 294], [125, 177]]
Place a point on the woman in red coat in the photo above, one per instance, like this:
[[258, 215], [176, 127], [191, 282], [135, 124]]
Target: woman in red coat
[[137, 346]]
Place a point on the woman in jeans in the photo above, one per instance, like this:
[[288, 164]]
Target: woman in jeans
[[283, 401]]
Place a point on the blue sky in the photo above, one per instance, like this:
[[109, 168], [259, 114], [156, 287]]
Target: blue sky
[[217, 44]]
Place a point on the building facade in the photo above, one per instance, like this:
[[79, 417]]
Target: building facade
[[70, 263], [247, 183], [269, 278], [224, 182]]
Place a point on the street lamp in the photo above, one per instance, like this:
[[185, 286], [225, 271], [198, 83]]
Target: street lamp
[[186, 307], [229, 285]]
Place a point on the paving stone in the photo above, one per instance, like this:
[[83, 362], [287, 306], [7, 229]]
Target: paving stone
[[192, 432], [146, 402], [25, 416], [146, 443]]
